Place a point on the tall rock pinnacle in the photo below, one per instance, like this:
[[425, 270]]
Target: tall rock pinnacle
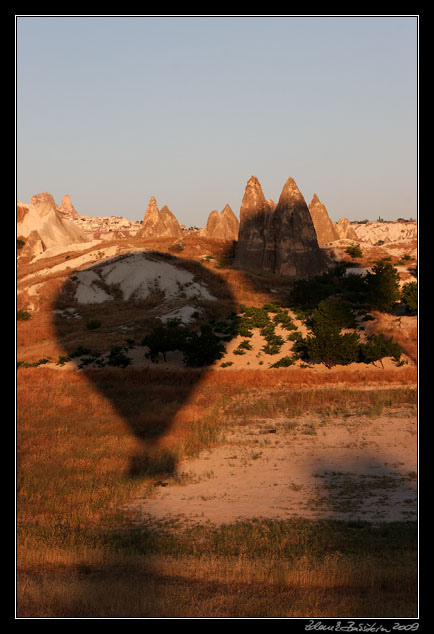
[[254, 213], [159, 224], [67, 209], [221, 226], [324, 227], [280, 240]]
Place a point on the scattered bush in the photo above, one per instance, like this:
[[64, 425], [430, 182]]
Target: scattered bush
[[23, 315], [284, 362]]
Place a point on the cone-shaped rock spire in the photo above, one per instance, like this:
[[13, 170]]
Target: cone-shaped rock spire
[[159, 224], [324, 227], [280, 240]]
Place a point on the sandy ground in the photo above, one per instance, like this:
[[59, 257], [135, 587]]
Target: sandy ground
[[349, 468]]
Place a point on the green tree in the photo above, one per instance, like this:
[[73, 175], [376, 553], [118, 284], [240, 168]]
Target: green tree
[[203, 348], [332, 313], [327, 345], [377, 347], [409, 296], [382, 286]]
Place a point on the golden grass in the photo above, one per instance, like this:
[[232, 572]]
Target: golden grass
[[98, 585], [74, 453]]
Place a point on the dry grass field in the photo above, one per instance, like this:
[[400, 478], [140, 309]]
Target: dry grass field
[[98, 447]]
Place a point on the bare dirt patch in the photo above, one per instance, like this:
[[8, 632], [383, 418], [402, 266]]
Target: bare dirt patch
[[353, 467]]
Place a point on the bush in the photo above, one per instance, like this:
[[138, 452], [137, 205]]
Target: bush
[[118, 358], [377, 347], [23, 315], [284, 362], [409, 296], [93, 324], [284, 319], [354, 251], [177, 246], [331, 348]]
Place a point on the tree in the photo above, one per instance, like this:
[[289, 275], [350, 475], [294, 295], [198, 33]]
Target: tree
[[409, 296], [327, 344], [377, 347], [382, 286], [203, 348]]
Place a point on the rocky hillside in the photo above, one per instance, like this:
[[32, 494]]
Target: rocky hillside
[[385, 232]]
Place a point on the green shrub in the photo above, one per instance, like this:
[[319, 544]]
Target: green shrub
[[284, 362], [118, 358], [409, 296], [284, 319], [23, 315], [328, 346], [377, 347], [177, 246], [93, 324], [272, 307], [354, 251], [80, 351]]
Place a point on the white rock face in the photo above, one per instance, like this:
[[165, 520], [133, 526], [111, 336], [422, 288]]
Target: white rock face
[[372, 232], [42, 216], [138, 276]]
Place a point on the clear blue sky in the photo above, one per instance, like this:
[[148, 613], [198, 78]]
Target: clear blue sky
[[115, 109]]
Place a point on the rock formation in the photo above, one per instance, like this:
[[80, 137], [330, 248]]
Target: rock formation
[[280, 240], [324, 227], [67, 209], [221, 226], [41, 223], [345, 230], [159, 224]]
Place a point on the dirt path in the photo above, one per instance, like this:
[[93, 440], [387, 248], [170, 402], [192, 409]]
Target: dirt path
[[356, 467]]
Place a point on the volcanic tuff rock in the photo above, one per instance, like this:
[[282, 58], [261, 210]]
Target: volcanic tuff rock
[[324, 227], [67, 209], [159, 224], [221, 226], [280, 240], [345, 230], [42, 216]]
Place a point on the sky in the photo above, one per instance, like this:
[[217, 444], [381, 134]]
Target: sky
[[113, 110]]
